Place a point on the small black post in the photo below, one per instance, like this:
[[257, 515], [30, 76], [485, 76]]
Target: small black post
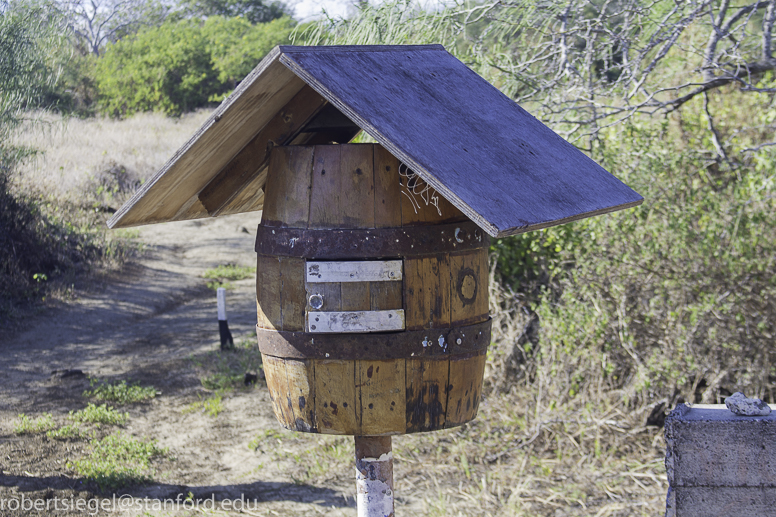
[[227, 343]]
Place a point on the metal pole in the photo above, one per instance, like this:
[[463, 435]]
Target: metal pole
[[374, 476]]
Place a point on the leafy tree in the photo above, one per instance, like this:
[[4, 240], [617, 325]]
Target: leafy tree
[[255, 11], [75, 91], [26, 43], [167, 68], [183, 65], [236, 46], [89, 26]]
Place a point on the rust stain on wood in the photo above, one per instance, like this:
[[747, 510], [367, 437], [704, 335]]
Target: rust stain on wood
[[301, 387], [389, 394], [336, 403], [427, 292], [426, 393], [469, 286], [382, 396], [277, 385], [465, 386]]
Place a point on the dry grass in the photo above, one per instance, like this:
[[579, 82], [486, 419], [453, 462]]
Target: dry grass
[[526, 454], [520, 459], [100, 157], [512, 461], [83, 171], [534, 450]]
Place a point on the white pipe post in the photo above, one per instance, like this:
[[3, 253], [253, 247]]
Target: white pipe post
[[374, 476], [227, 342], [221, 298]]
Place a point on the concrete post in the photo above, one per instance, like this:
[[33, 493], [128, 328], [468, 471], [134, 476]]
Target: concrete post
[[720, 464]]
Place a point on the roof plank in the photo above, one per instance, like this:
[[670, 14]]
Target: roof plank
[[170, 195], [254, 157]]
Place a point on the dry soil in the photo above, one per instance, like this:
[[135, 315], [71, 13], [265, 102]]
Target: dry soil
[[153, 323]]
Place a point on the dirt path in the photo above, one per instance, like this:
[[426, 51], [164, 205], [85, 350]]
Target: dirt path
[[155, 324]]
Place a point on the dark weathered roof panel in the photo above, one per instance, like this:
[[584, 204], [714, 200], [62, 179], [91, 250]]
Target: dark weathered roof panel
[[478, 148], [503, 168]]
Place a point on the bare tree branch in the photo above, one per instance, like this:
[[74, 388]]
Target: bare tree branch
[[768, 21], [591, 64], [675, 33], [714, 133], [742, 75], [758, 148], [714, 37], [97, 22]]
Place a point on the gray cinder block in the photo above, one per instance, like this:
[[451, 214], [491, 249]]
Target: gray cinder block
[[720, 464]]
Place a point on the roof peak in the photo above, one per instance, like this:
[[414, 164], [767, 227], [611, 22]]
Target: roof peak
[[357, 48]]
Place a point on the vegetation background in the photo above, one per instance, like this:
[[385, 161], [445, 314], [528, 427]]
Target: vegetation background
[[601, 325]]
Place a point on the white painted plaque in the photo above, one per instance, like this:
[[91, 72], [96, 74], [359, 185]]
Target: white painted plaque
[[355, 271], [355, 321]]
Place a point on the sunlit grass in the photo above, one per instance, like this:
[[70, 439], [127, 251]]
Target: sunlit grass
[[118, 460], [220, 276], [27, 425], [119, 392], [99, 415], [225, 370], [212, 405]]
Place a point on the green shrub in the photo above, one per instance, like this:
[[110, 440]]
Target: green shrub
[[120, 392], [236, 46], [76, 89], [27, 425], [99, 415], [166, 68], [677, 296], [213, 406], [183, 65], [219, 276], [224, 371], [36, 246], [39, 245], [67, 431], [118, 460], [530, 259], [254, 11]]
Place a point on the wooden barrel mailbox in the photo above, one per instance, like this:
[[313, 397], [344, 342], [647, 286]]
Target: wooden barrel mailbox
[[372, 295], [372, 276]]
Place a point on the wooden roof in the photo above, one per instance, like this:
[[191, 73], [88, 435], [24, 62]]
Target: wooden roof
[[508, 172]]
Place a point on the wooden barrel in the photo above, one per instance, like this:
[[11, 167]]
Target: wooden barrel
[[372, 295]]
